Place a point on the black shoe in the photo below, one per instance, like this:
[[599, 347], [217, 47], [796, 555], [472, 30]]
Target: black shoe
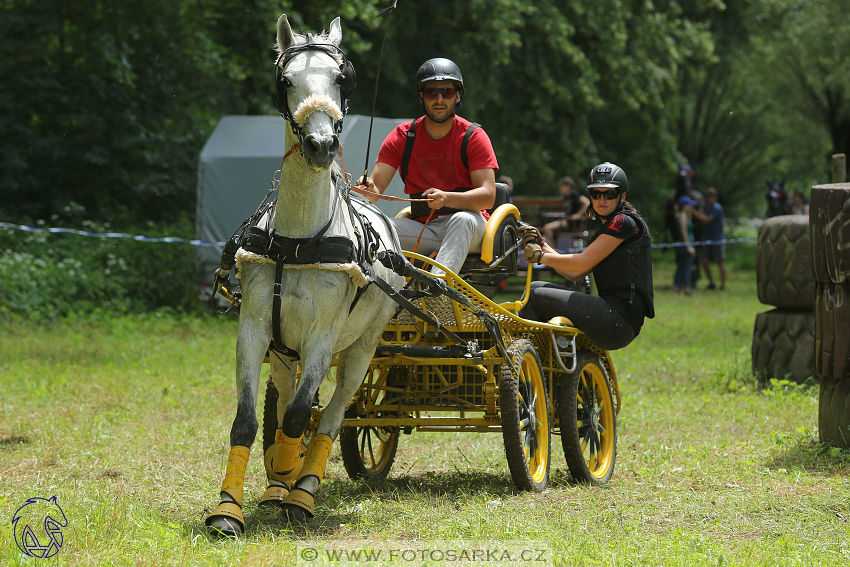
[[710, 286]]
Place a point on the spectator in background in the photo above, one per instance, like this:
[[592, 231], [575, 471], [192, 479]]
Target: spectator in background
[[713, 220], [575, 207], [800, 204], [685, 253]]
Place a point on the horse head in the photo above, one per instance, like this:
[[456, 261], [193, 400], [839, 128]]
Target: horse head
[[313, 80]]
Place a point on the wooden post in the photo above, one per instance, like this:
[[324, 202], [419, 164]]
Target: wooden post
[[839, 168]]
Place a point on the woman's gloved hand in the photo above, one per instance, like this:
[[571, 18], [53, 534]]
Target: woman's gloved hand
[[529, 233], [533, 252]]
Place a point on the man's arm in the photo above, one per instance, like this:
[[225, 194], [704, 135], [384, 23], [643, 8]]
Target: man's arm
[[481, 196]]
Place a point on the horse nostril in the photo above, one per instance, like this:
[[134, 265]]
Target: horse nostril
[[311, 145]]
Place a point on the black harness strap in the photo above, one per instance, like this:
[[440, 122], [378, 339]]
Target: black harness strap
[[417, 209], [408, 149], [406, 304], [277, 342], [411, 138], [464, 158]]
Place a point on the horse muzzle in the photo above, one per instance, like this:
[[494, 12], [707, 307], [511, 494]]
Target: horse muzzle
[[320, 149]]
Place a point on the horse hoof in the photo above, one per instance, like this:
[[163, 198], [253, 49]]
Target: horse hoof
[[222, 526], [296, 514]]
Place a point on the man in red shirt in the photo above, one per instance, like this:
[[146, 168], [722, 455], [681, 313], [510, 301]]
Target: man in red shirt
[[456, 194]]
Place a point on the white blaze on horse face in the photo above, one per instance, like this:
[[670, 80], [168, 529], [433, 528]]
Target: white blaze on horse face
[[313, 76]]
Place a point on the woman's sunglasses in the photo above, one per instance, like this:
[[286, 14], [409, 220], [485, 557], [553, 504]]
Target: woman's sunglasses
[[610, 195], [431, 93]]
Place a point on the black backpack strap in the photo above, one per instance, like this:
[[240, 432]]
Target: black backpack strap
[[466, 137], [408, 149]]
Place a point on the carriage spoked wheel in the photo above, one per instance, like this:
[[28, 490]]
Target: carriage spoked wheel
[[270, 418], [368, 452], [525, 417], [588, 420]]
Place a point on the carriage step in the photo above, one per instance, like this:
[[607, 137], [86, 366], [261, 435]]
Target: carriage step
[[565, 352]]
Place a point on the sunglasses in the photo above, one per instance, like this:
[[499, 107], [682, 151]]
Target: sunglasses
[[610, 194], [431, 93]]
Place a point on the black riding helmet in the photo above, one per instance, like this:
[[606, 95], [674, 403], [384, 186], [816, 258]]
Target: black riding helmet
[[440, 69], [608, 175]]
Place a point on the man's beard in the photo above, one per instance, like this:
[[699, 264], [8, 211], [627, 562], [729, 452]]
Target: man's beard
[[446, 119]]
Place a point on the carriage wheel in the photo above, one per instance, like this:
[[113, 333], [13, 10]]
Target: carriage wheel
[[588, 421], [525, 418], [367, 452], [269, 415]]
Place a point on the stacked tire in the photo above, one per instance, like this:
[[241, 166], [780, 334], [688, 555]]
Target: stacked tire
[[830, 237], [784, 338]]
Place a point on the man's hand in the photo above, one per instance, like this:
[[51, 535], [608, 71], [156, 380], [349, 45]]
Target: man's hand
[[367, 184], [437, 198], [533, 252]]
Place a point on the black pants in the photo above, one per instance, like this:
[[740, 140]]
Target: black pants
[[590, 314]]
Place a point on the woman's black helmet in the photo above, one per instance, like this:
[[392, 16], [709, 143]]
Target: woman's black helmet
[[439, 69], [608, 175]]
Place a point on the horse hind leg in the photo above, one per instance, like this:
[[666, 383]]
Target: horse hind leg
[[299, 505], [284, 459]]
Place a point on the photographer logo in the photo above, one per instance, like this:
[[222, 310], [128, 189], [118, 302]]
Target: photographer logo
[[38, 527]]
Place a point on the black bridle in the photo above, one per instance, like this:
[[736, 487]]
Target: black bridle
[[347, 80]]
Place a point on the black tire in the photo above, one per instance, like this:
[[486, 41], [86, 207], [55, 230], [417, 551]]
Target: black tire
[[834, 412], [524, 401], [269, 415], [367, 452], [829, 217], [784, 273], [832, 329], [784, 345], [588, 419]]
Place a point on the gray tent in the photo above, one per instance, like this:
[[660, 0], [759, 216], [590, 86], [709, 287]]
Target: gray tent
[[238, 162]]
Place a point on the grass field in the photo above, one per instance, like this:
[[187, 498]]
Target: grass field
[[126, 421]]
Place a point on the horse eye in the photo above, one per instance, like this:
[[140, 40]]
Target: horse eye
[[287, 82], [339, 79]]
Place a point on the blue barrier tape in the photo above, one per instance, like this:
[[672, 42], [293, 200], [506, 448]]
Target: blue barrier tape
[[676, 244], [140, 238], [173, 240]]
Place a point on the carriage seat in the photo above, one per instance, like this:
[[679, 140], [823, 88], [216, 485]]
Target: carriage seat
[[499, 235]]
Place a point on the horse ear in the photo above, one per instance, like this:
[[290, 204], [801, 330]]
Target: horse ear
[[335, 34], [285, 37]]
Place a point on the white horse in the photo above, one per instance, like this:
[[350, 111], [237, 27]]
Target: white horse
[[315, 315]]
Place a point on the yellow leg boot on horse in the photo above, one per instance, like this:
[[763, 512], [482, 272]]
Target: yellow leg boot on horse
[[227, 518], [300, 503], [284, 461]]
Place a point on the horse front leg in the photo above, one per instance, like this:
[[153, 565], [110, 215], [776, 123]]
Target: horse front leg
[[227, 519], [300, 504]]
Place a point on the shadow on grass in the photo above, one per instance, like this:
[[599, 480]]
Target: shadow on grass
[[808, 455], [340, 501]]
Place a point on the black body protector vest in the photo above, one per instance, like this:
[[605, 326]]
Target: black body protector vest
[[629, 267], [421, 209]]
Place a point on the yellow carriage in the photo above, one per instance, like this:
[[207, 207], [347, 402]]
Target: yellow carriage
[[454, 360]]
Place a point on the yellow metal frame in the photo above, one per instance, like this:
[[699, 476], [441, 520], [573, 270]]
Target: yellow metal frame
[[458, 394]]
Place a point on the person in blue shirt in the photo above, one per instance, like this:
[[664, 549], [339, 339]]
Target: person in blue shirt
[[716, 252]]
